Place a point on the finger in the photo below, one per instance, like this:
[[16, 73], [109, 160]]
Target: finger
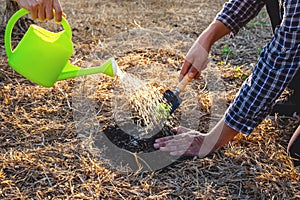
[[164, 139], [180, 129], [170, 141], [41, 12], [34, 11], [193, 72], [197, 76], [184, 141], [58, 10], [49, 10], [156, 145], [64, 15], [185, 68]]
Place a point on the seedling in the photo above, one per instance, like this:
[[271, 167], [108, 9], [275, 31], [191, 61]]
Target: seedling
[[162, 111], [226, 50]]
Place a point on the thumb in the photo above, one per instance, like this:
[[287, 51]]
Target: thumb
[[193, 72]]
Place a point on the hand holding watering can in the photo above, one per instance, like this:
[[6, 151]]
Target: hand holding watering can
[[43, 56], [42, 9]]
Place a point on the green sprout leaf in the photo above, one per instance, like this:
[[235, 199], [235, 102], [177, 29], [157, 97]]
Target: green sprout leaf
[[162, 110], [226, 50]]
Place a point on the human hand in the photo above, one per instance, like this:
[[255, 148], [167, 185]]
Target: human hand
[[187, 143], [195, 61], [43, 9]]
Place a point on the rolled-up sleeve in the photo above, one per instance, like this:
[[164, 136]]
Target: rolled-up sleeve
[[237, 13], [276, 67]]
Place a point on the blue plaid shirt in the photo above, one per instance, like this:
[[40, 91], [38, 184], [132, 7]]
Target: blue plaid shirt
[[277, 64]]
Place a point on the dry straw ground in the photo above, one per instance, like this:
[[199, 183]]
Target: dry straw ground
[[41, 156]]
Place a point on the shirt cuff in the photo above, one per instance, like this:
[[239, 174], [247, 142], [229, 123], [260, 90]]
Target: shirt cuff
[[238, 123]]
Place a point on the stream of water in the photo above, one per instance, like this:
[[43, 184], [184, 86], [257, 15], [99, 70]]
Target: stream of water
[[143, 100]]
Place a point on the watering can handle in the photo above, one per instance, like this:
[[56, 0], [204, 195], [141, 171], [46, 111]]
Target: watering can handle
[[13, 20]]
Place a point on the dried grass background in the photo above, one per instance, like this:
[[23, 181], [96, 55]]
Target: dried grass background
[[41, 156]]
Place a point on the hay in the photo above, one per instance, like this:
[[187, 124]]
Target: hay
[[43, 157]]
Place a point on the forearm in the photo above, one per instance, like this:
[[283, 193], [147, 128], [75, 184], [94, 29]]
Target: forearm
[[226, 134], [218, 137], [215, 31], [197, 58]]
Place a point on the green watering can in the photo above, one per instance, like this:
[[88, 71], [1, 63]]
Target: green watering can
[[43, 56]]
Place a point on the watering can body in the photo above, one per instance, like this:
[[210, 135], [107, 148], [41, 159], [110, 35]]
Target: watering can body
[[43, 56]]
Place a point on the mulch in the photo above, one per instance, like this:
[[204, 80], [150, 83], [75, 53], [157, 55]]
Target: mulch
[[51, 139]]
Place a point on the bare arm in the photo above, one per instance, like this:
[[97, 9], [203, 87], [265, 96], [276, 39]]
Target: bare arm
[[192, 143], [225, 132], [215, 31]]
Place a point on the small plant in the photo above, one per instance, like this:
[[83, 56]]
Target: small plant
[[239, 73], [226, 50], [162, 111]]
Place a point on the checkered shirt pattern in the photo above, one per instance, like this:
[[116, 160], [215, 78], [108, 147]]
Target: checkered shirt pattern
[[277, 64]]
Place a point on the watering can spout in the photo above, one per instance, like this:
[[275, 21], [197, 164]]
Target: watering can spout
[[71, 71]]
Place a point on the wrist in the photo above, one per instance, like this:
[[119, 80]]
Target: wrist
[[206, 40], [215, 31]]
